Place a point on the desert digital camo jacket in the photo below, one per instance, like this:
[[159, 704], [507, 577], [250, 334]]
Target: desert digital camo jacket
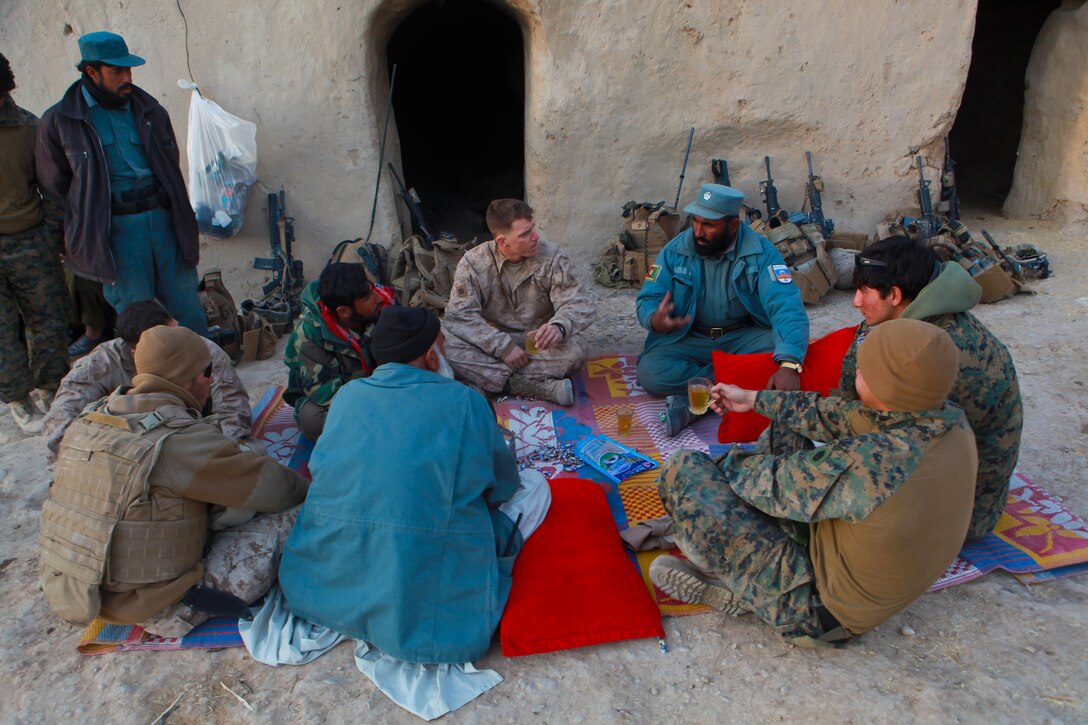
[[110, 366]]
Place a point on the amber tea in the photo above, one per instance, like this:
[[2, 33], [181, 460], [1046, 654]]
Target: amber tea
[[698, 395]]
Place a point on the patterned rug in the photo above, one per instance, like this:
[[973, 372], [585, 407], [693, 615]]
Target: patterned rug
[[1037, 539], [274, 425]]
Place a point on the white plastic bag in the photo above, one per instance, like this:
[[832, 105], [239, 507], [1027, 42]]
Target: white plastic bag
[[222, 165]]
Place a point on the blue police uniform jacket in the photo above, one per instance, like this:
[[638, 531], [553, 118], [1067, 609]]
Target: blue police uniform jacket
[[400, 541], [760, 280]]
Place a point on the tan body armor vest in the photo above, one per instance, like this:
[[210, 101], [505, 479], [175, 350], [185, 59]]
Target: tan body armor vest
[[101, 528]]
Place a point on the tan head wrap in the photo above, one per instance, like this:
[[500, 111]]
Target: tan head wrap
[[909, 365], [167, 359]]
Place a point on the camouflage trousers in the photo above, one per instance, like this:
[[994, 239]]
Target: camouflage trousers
[[761, 559], [242, 561], [998, 452], [32, 291], [476, 367]]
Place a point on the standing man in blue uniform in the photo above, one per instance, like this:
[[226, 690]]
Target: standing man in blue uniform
[[717, 286], [107, 153]]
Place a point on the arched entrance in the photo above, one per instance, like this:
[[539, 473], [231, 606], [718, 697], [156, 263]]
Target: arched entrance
[[459, 105], [986, 133]]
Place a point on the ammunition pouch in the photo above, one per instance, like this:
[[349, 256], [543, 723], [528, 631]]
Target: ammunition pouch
[[619, 267], [803, 249], [990, 273]]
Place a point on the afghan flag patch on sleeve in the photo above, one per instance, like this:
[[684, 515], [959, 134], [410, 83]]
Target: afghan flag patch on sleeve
[[651, 276], [781, 272]]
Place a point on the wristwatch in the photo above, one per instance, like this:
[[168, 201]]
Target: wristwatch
[[796, 367], [562, 328]]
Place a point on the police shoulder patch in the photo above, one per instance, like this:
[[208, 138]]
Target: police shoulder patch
[[652, 274], [780, 272]]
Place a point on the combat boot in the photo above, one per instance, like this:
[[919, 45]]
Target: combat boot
[[683, 580], [43, 399], [678, 415], [27, 416], [557, 391]]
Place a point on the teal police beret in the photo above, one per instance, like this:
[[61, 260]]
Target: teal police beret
[[108, 48], [716, 201]]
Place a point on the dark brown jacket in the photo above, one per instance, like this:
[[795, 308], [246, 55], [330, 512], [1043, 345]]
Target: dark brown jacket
[[72, 169]]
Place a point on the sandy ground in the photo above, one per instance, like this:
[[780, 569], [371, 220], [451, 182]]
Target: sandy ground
[[989, 651]]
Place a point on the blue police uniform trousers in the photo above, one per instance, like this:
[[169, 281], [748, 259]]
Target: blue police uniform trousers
[[148, 259], [666, 369]]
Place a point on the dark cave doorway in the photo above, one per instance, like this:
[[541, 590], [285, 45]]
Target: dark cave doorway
[[985, 137], [459, 104]]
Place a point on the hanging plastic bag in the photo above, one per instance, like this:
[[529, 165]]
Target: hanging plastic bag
[[222, 165]]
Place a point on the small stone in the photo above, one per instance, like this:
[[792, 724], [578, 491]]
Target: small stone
[[906, 630], [734, 645], [655, 691], [538, 708]]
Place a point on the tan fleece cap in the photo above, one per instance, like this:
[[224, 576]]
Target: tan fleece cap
[[909, 365], [175, 353]]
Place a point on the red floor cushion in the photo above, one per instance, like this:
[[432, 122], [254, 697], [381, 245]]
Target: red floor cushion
[[574, 584], [820, 373]]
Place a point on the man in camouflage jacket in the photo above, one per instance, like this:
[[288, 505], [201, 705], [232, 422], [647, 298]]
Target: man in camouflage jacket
[[516, 285], [31, 279], [897, 278], [111, 365], [827, 542], [330, 344]]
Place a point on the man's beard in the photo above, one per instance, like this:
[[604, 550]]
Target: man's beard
[[712, 246], [359, 323], [109, 99]]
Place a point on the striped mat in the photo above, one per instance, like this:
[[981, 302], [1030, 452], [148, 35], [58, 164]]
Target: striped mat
[[1037, 538]]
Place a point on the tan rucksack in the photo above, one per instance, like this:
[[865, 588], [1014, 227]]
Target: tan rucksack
[[425, 276], [225, 326]]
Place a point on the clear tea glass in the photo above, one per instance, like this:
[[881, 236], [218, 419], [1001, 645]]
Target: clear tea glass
[[698, 395], [530, 343], [624, 416]]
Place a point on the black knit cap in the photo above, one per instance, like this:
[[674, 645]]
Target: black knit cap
[[402, 334]]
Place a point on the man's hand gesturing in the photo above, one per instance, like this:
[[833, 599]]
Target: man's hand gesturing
[[662, 320]]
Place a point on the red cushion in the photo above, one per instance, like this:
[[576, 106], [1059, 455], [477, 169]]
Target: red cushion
[[574, 584], [820, 373]]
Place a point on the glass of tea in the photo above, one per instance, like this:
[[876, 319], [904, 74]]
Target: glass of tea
[[624, 415], [530, 343], [698, 395]]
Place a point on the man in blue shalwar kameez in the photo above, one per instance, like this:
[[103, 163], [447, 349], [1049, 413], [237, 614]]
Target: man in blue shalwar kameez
[[409, 533]]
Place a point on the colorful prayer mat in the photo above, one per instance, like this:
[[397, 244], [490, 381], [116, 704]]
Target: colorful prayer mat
[[1037, 539], [274, 425], [101, 638]]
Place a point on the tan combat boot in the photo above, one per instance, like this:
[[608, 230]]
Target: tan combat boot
[[43, 399], [557, 391], [26, 416]]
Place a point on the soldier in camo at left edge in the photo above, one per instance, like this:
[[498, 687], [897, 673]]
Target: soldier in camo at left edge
[[824, 543], [31, 277]]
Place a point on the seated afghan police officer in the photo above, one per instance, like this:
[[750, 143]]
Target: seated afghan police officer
[[411, 550], [899, 278], [827, 542], [330, 344], [516, 286], [111, 365], [124, 533], [717, 286]]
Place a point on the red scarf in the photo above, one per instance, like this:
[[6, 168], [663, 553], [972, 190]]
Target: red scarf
[[333, 323]]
